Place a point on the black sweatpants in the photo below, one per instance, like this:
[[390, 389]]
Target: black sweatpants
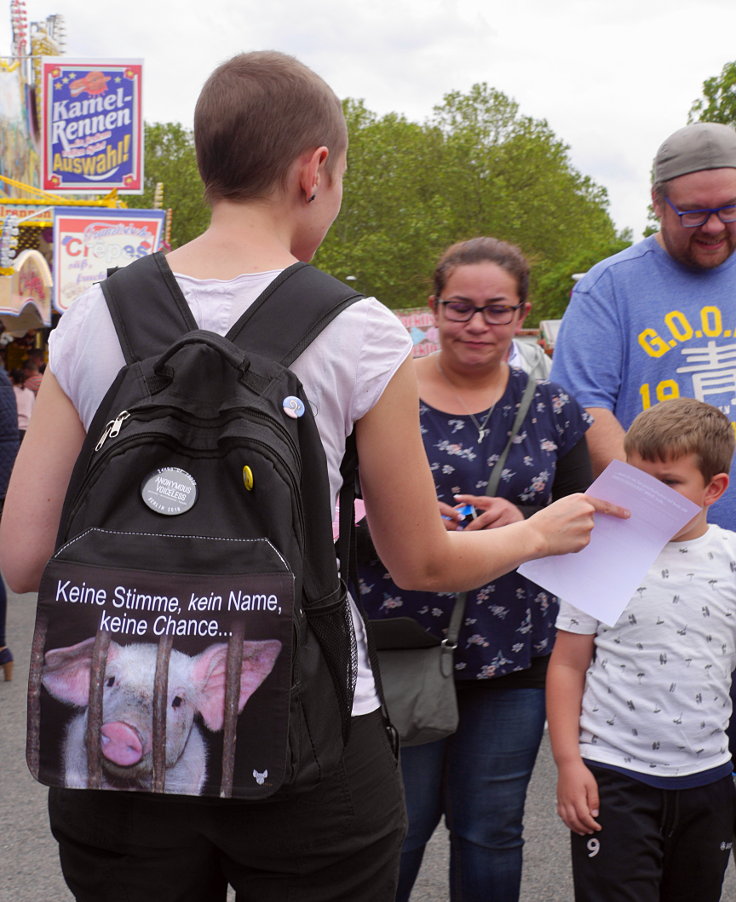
[[655, 845], [338, 842]]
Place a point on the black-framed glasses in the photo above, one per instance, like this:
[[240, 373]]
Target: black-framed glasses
[[691, 219], [493, 314]]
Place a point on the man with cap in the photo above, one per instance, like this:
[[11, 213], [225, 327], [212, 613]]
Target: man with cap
[[658, 320]]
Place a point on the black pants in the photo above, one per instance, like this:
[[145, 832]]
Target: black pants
[[656, 845], [338, 843]]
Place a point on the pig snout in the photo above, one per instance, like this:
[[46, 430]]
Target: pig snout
[[121, 744]]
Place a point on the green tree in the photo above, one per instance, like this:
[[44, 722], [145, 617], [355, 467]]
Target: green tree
[[392, 220], [476, 166], [519, 182], [554, 286], [718, 103], [170, 159]]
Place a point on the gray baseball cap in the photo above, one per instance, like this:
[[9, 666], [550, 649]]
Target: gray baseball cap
[[704, 145]]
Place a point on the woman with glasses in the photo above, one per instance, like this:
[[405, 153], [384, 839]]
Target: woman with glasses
[[469, 396]]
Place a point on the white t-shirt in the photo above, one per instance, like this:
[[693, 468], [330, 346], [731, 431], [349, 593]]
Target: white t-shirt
[[344, 372], [656, 697]]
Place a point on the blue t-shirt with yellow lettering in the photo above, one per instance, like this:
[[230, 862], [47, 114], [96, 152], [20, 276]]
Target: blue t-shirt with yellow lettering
[[641, 328]]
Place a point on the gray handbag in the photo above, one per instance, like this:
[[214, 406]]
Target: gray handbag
[[417, 676], [416, 668]]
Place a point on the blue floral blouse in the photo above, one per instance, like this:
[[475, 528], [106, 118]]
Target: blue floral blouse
[[512, 620]]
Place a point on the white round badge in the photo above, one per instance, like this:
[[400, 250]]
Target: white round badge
[[169, 491]]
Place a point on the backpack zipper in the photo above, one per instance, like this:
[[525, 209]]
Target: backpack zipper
[[112, 428]]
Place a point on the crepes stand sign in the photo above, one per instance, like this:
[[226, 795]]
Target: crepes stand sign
[[92, 125], [89, 241]]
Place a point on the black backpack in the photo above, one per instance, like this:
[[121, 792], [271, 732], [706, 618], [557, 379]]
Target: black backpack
[[193, 635]]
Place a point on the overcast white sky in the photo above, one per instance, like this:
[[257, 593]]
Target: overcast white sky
[[612, 79]]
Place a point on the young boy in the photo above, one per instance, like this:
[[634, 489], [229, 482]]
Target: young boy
[[638, 711]]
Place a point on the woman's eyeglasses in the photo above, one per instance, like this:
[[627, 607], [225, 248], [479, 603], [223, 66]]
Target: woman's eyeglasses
[[493, 314]]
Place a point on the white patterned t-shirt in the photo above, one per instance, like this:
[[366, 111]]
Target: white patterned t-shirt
[[656, 698]]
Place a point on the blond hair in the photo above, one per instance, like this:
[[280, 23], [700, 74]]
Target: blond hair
[[673, 429]]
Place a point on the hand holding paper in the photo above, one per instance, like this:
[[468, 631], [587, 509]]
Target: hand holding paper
[[602, 577]]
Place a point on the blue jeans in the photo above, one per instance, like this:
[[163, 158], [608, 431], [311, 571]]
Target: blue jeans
[[478, 779]]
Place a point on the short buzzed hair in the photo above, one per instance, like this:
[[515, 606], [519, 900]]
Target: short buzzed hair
[[673, 429], [255, 115]]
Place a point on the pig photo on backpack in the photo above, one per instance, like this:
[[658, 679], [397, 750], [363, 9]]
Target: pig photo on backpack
[[202, 701], [190, 758], [194, 686]]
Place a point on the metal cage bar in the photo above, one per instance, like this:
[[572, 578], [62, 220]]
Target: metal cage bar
[[233, 669], [98, 665], [160, 707]]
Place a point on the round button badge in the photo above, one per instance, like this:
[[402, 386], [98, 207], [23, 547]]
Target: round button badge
[[169, 491], [293, 407]]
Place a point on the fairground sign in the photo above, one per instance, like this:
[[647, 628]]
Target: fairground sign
[[89, 242], [419, 323], [92, 125]]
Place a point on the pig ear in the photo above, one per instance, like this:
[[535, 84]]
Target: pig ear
[[66, 672], [209, 672]]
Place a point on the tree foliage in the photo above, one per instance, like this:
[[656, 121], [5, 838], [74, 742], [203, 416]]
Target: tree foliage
[[170, 160], [555, 284], [718, 103], [392, 211], [475, 167]]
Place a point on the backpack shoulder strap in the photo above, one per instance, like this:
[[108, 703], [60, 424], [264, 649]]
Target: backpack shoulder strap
[[291, 313], [147, 307], [149, 310]]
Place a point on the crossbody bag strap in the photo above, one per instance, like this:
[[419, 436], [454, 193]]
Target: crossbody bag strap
[[521, 412], [453, 630]]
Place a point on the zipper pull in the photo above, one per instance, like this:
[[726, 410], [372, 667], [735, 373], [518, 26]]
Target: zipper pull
[[112, 428], [103, 437], [117, 423]]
